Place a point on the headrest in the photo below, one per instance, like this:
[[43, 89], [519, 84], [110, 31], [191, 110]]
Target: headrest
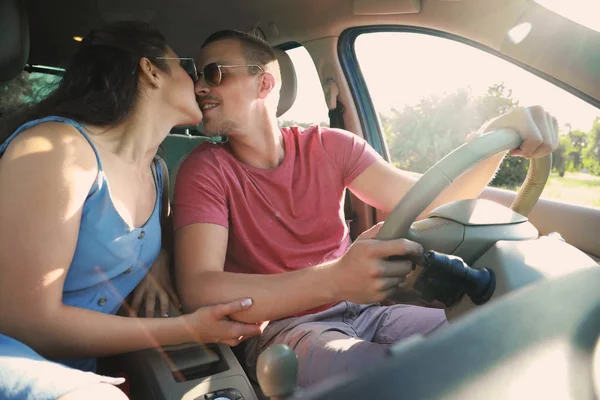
[[287, 95], [14, 38]]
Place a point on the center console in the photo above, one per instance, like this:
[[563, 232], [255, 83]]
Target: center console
[[186, 372]]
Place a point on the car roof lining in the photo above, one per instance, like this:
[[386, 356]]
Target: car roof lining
[[187, 23]]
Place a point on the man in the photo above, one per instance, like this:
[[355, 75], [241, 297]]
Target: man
[[262, 217]]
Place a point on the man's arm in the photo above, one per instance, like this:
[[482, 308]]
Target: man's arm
[[202, 281], [360, 275], [383, 186], [201, 221]]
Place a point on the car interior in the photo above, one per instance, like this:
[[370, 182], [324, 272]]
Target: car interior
[[516, 272]]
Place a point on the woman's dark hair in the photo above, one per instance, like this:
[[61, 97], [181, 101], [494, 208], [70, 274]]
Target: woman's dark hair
[[100, 86]]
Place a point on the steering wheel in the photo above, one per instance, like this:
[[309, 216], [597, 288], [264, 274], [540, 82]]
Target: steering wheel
[[449, 168]]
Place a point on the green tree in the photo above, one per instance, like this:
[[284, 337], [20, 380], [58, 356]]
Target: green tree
[[560, 160], [579, 141], [13, 92], [592, 151], [419, 136], [498, 100], [304, 125], [26, 88]]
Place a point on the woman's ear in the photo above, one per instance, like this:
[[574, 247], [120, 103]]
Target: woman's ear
[[267, 84], [149, 72]]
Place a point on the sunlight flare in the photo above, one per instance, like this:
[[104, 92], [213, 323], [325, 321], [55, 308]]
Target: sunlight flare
[[53, 276], [519, 32]]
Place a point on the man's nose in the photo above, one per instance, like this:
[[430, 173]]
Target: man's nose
[[201, 88]]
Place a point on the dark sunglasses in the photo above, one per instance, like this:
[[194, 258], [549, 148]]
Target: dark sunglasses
[[187, 63], [213, 74]]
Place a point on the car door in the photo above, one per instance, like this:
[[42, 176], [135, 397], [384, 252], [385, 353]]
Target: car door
[[420, 90]]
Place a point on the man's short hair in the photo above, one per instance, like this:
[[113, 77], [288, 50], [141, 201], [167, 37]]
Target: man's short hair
[[254, 48]]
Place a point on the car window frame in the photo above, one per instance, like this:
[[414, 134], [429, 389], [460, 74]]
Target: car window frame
[[367, 113]]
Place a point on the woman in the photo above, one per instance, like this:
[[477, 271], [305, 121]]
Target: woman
[[80, 217]]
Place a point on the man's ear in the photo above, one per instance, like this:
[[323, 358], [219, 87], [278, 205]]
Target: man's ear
[[149, 72], [267, 84]]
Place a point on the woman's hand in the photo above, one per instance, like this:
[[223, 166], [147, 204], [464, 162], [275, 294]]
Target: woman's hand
[[156, 284], [210, 324]]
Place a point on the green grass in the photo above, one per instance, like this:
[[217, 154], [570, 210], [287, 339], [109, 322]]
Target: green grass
[[575, 187]]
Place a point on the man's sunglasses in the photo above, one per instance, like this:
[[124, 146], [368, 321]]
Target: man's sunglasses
[[213, 74]]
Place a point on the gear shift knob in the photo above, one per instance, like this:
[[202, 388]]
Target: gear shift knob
[[277, 371]]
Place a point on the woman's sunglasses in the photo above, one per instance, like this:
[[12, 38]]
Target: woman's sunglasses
[[187, 63]]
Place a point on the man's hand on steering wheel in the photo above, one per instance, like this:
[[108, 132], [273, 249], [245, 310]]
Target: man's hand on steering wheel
[[365, 274], [537, 128]]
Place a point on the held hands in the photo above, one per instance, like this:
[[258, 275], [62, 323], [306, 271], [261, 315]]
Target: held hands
[[210, 324], [364, 275], [538, 129]]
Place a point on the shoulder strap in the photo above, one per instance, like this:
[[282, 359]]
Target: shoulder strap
[[166, 220], [166, 206], [52, 118]]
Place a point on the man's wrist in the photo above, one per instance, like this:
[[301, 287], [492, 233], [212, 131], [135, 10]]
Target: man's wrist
[[328, 282]]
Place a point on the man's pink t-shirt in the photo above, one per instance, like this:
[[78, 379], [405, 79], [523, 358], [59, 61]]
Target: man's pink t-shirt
[[279, 219]]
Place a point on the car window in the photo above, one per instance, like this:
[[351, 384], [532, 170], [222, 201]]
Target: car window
[[430, 92], [310, 107], [27, 88]]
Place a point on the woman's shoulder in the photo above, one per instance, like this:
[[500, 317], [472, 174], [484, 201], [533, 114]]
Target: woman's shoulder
[[51, 152], [52, 143]]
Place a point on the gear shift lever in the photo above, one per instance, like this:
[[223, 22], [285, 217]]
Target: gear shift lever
[[277, 372]]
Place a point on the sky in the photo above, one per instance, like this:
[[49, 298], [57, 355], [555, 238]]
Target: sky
[[401, 68]]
